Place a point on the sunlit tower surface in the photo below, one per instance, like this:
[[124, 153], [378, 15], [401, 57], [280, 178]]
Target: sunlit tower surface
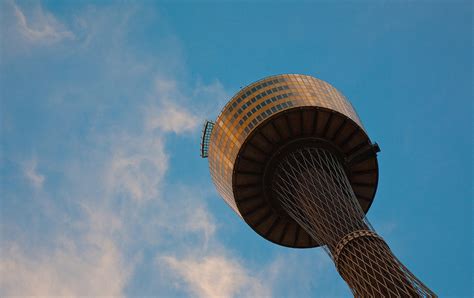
[[290, 155]]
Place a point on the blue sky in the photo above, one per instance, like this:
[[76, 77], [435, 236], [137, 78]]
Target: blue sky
[[102, 188]]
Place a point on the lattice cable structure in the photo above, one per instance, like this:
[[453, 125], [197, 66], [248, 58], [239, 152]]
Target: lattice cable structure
[[290, 156], [313, 188]]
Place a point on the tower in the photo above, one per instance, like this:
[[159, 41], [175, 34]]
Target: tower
[[290, 156]]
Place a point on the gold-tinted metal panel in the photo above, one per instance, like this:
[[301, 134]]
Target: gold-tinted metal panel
[[255, 103]]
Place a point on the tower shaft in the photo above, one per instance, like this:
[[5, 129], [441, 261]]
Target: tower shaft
[[313, 188]]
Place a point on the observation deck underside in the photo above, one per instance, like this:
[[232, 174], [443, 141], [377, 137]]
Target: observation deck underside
[[278, 136]]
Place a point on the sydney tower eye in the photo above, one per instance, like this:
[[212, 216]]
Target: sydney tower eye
[[291, 157]]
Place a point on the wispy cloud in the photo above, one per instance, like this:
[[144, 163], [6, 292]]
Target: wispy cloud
[[170, 117], [137, 167], [109, 204], [215, 276], [93, 251], [173, 112], [32, 174], [83, 261], [199, 264], [113, 209], [200, 221], [42, 27]]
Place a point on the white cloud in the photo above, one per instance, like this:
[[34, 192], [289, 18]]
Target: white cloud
[[107, 205], [115, 204], [185, 215], [31, 173], [198, 264], [200, 221], [170, 117], [215, 276], [87, 257], [42, 27], [112, 191], [89, 264], [137, 167], [179, 111]]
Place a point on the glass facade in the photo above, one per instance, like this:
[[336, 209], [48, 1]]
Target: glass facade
[[257, 102]]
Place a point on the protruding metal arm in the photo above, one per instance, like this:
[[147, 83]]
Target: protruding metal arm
[[206, 137]]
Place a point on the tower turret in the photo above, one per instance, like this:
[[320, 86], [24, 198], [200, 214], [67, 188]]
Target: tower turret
[[290, 155]]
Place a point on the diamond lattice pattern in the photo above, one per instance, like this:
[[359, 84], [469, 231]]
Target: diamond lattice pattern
[[313, 188]]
